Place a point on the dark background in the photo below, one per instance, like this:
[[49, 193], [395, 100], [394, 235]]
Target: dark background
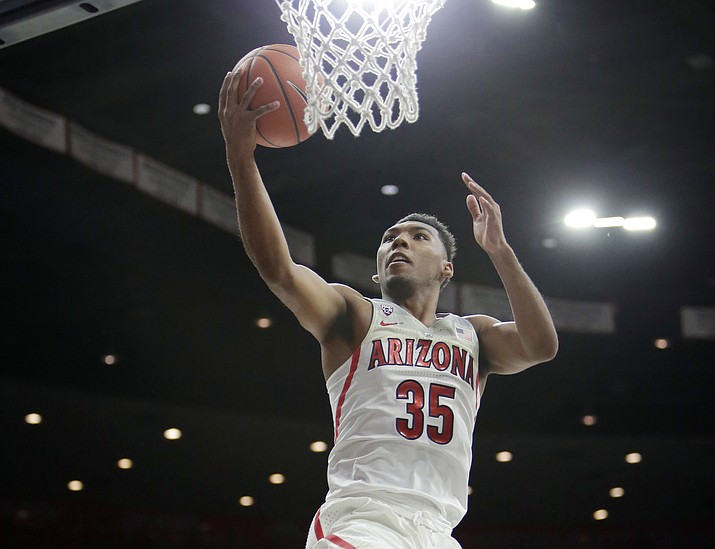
[[575, 102]]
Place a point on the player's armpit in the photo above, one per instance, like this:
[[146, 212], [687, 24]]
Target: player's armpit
[[503, 348], [317, 305]]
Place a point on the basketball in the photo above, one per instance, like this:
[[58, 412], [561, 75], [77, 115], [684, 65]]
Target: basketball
[[278, 65]]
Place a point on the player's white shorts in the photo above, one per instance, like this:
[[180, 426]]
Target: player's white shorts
[[365, 523]]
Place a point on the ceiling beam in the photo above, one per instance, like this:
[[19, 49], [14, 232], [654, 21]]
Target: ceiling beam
[[22, 20]]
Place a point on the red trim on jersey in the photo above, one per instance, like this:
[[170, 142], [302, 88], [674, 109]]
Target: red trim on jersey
[[317, 527], [340, 542], [346, 386]]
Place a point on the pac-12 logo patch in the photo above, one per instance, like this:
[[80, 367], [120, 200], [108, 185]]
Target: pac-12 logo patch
[[387, 309]]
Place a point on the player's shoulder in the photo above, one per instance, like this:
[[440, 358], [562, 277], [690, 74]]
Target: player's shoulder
[[481, 322], [352, 297], [347, 291]]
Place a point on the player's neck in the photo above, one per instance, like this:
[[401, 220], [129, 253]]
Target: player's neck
[[422, 305]]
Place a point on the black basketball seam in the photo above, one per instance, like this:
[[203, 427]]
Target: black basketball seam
[[248, 79], [268, 48], [296, 88], [285, 95]]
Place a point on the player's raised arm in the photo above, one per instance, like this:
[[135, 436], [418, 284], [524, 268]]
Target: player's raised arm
[[316, 304], [531, 338]]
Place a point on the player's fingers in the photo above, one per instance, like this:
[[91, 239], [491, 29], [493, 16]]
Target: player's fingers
[[265, 109], [473, 206], [471, 185], [224, 92], [234, 81], [486, 205], [475, 187], [251, 92]]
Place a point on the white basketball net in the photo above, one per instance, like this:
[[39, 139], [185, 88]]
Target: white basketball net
[[358, 59]]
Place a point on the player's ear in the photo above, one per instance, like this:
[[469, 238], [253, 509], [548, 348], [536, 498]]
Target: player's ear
[[448, 269], [376, 279]]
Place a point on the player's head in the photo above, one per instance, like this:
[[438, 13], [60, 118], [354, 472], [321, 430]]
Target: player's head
[[415, 252], [447, 238]]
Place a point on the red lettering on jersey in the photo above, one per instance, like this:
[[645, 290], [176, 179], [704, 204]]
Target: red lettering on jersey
[[423, 346], [469, 377], [424, 353], [377, 357], [409, 350], [459, 357], [440, 356], [394, 346]]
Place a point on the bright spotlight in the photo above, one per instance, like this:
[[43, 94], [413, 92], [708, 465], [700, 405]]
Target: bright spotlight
[[639, 224], [608, 222], [580, 219], [519, 4]]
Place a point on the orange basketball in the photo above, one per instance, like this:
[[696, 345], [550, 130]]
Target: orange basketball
[[283, 81]]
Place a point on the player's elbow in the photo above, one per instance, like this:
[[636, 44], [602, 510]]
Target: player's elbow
[[274, 268], [279, 276], [547, 349]]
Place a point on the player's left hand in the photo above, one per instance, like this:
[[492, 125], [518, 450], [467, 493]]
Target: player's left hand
[[486, 217]]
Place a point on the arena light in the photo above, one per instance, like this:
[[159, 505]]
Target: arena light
[[580, 219], [608, 222], [277, 478], [318, 446], [616, 492], [246, 501], [172, 434], [589, 420], [639, 224], [264, 322], [585, 218], [125, 463], [201, 108], [33, 419], [519, 4]]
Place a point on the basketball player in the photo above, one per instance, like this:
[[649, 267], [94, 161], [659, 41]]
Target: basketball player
[[404, 382]]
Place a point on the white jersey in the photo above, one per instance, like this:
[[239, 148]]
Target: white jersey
[[404, 407]]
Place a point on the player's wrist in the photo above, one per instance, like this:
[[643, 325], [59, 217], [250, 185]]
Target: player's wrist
[[502, 253]]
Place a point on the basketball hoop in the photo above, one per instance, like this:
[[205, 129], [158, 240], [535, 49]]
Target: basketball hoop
[[359, 59]]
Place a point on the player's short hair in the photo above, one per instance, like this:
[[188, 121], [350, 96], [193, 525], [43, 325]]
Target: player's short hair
[[447, 238]]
